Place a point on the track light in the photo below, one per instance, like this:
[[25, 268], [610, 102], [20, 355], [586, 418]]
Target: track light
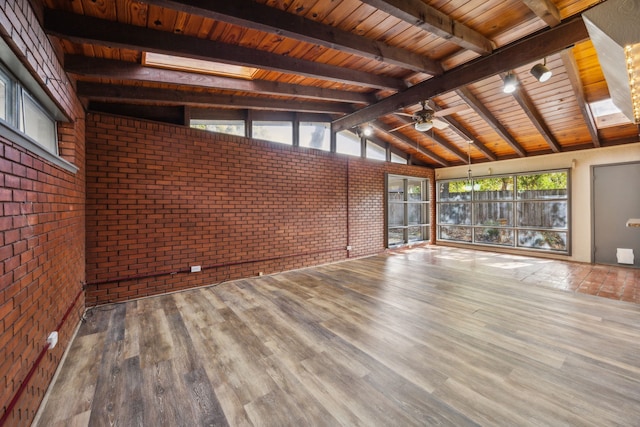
[[364, 131], [510, 83], [541, 72]]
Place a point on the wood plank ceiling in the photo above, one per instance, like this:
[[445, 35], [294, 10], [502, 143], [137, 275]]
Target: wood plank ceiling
[[358, 61]]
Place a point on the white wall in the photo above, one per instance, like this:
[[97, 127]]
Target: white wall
[[580, 182]]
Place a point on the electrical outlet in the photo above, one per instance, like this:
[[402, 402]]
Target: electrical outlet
[[196, 268]]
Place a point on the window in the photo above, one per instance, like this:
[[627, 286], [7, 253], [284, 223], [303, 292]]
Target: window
[[526, 210], [398, 159], [348, 143], [21, 112], [542, 209], [315, 135], [36, 124], [376, 152], [230, 127], [407, 210], [276, 131], [5, 97]]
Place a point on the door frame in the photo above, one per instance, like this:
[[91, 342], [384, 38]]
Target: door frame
[[593, 206]]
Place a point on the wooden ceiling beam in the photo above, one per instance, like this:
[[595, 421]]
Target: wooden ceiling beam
[[249, 14], [430, 19], [546, 10], [488, 117], [573, 74], [464, 133], [439, 141], [532, 112], [383, 127], [90, 30], [529, 49], [140, 94], [122, 70]]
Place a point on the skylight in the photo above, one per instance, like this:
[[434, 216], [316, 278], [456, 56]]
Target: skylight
[[197, 66], [607, 114]]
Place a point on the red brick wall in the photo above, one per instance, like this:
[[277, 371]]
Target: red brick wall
[[41, 232], [161, 198]]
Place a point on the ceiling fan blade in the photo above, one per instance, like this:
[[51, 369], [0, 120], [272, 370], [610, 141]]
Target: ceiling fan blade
[[400, 113], [452, 110], [403, 126], [439, 124]]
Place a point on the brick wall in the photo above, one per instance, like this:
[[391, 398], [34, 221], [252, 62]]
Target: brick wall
[[162, 198], [41, 231]]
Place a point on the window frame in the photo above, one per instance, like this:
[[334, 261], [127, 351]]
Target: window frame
[[197, 123], [374, 151], [23, 122], [20, 83], [351, 140], [503, 230], [397, 158], [326, 139], [279, 124], [347, 142], [425, 210], [17, 119]]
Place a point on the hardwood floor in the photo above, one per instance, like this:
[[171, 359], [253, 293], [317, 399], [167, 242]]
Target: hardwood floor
[[428, 336], [608, 281]]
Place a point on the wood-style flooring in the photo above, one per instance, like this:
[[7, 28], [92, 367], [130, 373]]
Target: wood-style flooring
[[608, 281], [428, 336]]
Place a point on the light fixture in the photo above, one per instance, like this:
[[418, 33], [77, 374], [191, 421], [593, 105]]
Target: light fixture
[[510, 83], [541, 72], [364, 131], [423, 125], [469, 185]]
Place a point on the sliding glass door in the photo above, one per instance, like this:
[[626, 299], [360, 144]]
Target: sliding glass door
[[407, 210]]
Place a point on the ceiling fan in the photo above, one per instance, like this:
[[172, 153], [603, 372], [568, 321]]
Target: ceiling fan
[[427, 118]]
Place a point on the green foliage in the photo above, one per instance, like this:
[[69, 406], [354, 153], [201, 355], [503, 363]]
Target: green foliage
[[504, 183], [543, 181], [457, 186], [482, 184]]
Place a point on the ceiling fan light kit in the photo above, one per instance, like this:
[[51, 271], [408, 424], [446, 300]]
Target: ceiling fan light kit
[[424, 126], [427, 118]]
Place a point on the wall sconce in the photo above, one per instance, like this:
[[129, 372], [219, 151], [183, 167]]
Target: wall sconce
[[541, 72], [510, 83]]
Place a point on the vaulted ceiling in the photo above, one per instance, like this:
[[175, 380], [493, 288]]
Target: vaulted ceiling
[[360, 62]]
